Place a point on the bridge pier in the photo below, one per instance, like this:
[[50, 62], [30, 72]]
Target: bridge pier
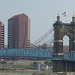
[[63, 66], [58, 66], [69, 66]]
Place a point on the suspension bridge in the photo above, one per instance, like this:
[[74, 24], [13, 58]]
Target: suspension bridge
[[50, 46], [41, 48]]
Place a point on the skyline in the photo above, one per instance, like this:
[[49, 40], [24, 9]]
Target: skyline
[[42, 14]]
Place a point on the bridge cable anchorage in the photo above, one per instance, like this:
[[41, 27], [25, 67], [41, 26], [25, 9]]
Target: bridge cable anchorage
[[44, 36]]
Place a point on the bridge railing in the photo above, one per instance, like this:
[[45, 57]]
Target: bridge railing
[[70, 56]]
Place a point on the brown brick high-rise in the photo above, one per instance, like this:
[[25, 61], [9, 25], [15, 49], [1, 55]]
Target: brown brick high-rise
[[1, 35], [19, 31]]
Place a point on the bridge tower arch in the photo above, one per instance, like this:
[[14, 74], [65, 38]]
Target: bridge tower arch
[[60, 30], [65, 44]]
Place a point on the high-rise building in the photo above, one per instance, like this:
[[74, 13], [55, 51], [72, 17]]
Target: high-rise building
[[19, 31], [1, 35]]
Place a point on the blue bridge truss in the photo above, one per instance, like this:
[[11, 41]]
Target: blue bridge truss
[[36, 53]]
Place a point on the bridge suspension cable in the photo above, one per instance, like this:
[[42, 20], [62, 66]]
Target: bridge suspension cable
[[44, 36], [50, 41]]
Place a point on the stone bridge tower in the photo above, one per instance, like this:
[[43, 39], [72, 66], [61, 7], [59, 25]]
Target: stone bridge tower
[[60, 30]]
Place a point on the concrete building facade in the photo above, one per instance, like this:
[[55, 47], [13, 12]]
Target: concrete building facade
[[19, 31], [1, 35]]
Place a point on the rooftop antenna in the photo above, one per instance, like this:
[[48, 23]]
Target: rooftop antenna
[[58, 13], [73, 14]]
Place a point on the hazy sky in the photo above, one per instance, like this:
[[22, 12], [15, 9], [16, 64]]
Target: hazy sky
[[42, 13]]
